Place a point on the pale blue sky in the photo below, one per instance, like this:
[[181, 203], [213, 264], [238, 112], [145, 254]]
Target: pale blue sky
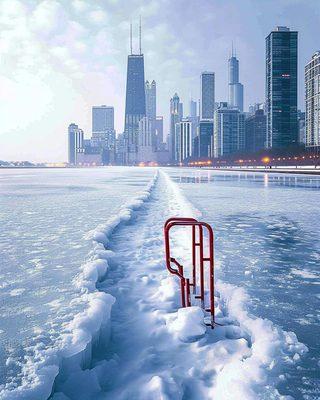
[[57, 58]]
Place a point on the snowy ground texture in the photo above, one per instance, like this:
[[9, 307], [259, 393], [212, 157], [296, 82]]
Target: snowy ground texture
[[133, 341]]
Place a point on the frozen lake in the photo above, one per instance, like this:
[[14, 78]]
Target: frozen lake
[[44, 215], [268, 241]]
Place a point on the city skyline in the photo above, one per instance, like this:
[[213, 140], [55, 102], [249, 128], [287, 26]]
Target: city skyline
[[54, 69]]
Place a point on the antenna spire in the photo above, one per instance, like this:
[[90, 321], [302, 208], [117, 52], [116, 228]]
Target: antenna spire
[[140, 36], [131, 38], [232, 49]]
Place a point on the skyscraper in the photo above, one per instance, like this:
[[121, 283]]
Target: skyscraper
[[159, 132], [255, 131], [75, 143], [102, 118], [194, 118], [151, 99], [235, 87], [302, 127], [175, 116], [312, 82], [135, 100], [229, 133], [145, 145], [205, 139], [281, 87], [151, 107], [183, 140], [103, 133], [193, 109], [207, 88], [180, 108]]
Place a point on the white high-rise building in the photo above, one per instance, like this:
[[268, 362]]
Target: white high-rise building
[[312, 83], [183, 140], [151, 107], [159, 132], [75, 143], [207, 95], [145, 138], [151, 99], [175, 116]]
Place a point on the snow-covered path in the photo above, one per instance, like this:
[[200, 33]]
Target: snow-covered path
[[156, 352]]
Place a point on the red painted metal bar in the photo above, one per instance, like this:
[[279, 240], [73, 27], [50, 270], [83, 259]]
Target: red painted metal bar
[[188, 292], [194, 255], [201, 266], [211, 270], [169, 259], [185, 282]]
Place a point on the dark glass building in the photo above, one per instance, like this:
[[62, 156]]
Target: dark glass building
[[205, 141], [281, 87], [135, 103], [255, 131]]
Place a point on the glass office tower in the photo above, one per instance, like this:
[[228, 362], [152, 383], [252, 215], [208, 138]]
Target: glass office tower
[[281, 87]]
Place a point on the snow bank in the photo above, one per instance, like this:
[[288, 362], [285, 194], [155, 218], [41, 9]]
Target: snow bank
[[187, 324], [256, 374], [72, 351], [181, 204]]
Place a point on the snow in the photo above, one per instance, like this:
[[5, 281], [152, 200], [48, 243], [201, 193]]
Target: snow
[[131, 339], [187, 324]]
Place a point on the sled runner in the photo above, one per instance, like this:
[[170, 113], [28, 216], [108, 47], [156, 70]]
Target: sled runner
[[198, 284]]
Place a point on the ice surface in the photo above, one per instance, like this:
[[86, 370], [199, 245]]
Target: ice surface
[[122, 334], [159, 351], [267, 242], [45, 216]]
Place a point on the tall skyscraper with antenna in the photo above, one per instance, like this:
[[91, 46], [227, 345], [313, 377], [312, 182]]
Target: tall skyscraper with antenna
[[135, 99], [235, 87]]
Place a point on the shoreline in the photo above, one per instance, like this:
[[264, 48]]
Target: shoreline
[[279, 170], [265, 170]]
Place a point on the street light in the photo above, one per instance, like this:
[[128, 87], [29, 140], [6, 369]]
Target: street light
[[266, 160]]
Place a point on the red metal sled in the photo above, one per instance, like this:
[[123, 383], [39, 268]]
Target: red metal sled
[[198, 276]]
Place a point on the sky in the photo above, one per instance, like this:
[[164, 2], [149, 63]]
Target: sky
[[58, 58]]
